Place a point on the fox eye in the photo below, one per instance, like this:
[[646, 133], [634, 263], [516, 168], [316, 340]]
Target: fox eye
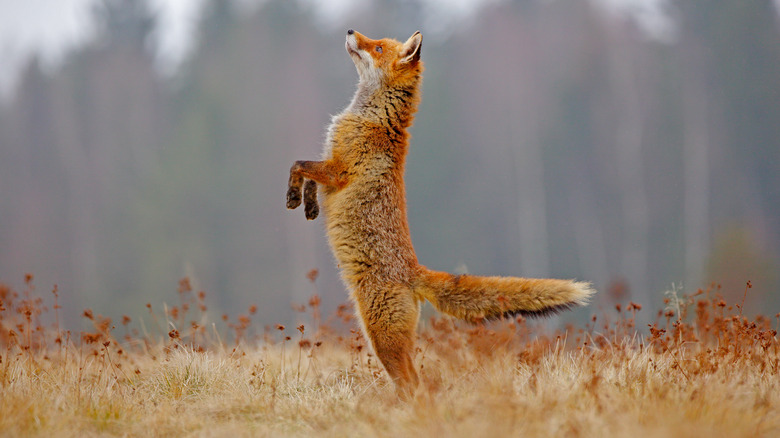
[[379, 49]]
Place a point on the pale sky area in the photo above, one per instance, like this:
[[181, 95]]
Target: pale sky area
[[50, 27]]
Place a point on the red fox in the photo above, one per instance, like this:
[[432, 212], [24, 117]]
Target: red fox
[[361, 181]]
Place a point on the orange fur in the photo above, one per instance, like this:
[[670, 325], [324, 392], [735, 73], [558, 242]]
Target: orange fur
[[364, 200]]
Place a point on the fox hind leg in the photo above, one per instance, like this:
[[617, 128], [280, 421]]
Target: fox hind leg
[[312, 208], [391, 327]]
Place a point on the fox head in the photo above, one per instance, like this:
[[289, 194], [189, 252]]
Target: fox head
[[385, 61]]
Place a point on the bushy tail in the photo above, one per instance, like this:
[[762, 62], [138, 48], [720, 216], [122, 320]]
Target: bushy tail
[[474, 298]]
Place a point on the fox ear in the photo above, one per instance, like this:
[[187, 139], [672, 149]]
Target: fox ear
[[412, 48]]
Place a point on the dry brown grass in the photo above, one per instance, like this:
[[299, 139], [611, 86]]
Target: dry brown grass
[[704, 370]]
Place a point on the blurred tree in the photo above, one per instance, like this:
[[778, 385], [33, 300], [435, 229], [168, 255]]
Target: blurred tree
[[500, 114], [698, 140], [738, 256], [184, 203], [125, 23], [249, 105], [733, 88], [31, 182], [107, 120]]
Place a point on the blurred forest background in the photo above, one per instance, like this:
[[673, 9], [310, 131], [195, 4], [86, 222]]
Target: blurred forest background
[[555, 138]]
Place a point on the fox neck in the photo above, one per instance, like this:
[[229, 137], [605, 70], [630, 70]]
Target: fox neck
[[395, 104]]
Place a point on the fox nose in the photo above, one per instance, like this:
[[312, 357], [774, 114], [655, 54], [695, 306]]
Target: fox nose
[[350, 32]]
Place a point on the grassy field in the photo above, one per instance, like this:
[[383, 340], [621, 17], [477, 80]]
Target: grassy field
[[701, 370]]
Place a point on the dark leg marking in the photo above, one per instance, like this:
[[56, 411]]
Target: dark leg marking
[[294, 187], [311, 206]]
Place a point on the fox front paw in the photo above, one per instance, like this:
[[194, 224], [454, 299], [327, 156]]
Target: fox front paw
[[312, 209], [293, 197], [310, 204]]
